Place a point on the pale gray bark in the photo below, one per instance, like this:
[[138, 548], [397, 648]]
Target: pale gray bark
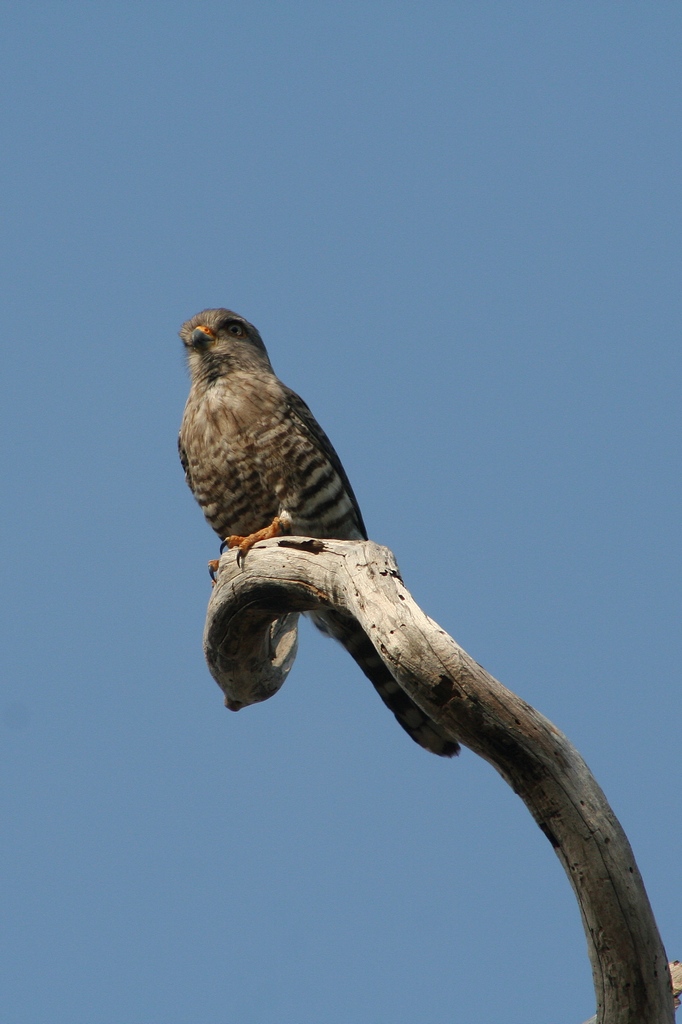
[[250, 644]]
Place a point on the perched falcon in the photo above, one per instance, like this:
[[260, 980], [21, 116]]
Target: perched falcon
[[257, 460]]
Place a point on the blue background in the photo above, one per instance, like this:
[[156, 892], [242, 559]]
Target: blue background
[[457, 226]]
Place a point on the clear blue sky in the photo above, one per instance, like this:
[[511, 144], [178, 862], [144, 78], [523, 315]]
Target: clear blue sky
[[457, 226]]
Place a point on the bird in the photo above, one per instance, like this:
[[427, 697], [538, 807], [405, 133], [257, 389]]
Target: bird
[[259, 464]]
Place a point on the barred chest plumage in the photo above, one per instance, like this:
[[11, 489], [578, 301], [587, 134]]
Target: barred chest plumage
[[250, 453]]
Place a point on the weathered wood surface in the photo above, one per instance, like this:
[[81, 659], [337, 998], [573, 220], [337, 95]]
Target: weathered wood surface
[[675, 976], [250, 648]]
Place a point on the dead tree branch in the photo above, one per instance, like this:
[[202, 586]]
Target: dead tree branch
[[250, 644]]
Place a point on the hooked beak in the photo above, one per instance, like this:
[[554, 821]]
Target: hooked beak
[[202, 336]]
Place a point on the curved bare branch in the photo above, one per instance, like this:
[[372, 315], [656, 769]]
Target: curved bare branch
[[249, 643]]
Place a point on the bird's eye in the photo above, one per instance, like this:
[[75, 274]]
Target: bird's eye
[[236, 330]]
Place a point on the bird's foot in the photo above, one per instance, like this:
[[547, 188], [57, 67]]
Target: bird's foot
[[277, 527], [212, 570]]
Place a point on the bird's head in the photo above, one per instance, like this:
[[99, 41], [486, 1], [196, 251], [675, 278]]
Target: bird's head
[[218, 340]]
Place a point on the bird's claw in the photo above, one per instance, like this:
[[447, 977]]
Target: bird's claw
[[275, 529]]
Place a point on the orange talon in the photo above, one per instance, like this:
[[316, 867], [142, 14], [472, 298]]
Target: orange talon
[[275, 529]]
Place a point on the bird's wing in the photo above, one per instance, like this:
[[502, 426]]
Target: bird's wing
[[302, 415], [345, 629], [185, 462]]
